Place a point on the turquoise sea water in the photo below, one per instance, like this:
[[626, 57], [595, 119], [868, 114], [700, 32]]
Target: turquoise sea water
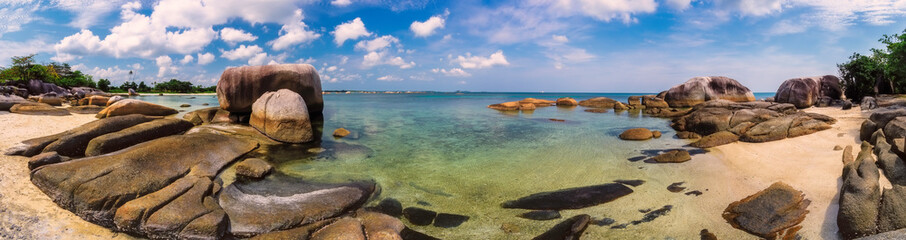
[[448, 152]]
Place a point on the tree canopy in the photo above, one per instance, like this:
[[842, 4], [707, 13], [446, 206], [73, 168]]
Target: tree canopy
[[882, 72]]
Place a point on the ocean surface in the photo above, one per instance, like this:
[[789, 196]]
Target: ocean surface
[[449, 153]]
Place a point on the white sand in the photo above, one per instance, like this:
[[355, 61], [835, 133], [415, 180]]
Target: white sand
[[25, 212]]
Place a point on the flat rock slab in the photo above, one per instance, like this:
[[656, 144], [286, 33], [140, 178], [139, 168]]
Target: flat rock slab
[[770, 212], [38, 109], [571, 228], [572, 198], [139, 133], [86, 109], [281, 202], [253, 168], [95, 187]]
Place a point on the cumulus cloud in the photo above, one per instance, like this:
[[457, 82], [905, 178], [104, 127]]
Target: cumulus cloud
[[242, 52], [205, 58], [476, 62], [233, 36], [165, 66], [430, 26], [340, 3], [173, 27], [187, 59], [9, 49], [89, 12], [351, 30], [377, 43], [115, 74], [382, 58], [455, 72], [294, 33], [390, 78]]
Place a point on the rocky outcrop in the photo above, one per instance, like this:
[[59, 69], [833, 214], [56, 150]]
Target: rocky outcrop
[[253, 168], [636, 134], [240, 87], [868, 103], [567, 102], [860, 196], [598, 102], [133, 135], [280, 202], [205, 115], [7, 102], [702, 89], [282, 115], [805, 92], [751, 121], [30, 108], [95, 100], [572, 198], [52, 100], [773, 213], [132, 106], [142, 189], [38, 87]]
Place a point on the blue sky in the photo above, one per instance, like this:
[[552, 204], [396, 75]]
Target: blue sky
[[527, 45]]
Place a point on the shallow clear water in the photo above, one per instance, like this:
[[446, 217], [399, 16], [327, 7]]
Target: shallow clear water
[[450, 153]]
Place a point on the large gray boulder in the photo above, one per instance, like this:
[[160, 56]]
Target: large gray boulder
[[38, 87], [702, 89], [860, 196], [283, 116], [751, 121], [805, 92], [7, 102], [240, 87]]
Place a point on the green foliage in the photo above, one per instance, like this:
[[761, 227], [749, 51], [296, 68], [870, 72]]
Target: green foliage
[[174, 86], [860, 75], [883, 72], [104, 85], [127, 85]]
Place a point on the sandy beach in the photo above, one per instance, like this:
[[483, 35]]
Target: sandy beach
[[25, 212], [726, 174]]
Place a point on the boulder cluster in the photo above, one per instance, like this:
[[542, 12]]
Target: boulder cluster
[[810, 91], [135, 170], [865, 208]]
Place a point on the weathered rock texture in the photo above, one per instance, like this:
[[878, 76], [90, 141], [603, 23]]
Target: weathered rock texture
[[805, 92], [132, 106], [702, 89], [773, 213], [240, 87], [282, 115], [751, 121]]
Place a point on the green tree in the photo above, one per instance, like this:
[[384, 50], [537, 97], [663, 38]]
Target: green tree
[[22, 64], [104, 84], [860, 76]]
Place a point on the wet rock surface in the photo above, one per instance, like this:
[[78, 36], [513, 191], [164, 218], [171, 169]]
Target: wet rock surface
[[771, 213], [571, 228], [572, 198], [541, 215], [253, 168]]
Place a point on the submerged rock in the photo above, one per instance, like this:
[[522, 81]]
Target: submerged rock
[[770, 212], [634, 183], [541, 215], [240, 87], [636, 134], [701, 89], [449, 220], [567, 102], [253, 168], [419, 216], [389, 206], [571, 228], [340, 133], [673, 156], [572, 198]]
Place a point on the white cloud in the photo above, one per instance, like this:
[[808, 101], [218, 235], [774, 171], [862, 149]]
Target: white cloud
[[114, 74], [340, 3], [351, 30], [204, 59], [679, 5], [90, 12], [455, 72], [750, 7], [10, 49], [233, 36], [343, 60], [165, 66], [601, 10], [260, 59], [476, 62], [560, 39], [428, 27], [377, 43], [14, 15], [389, 78], [173, 27], [242, 52], [187, 59], [382, 58], [293, 33]]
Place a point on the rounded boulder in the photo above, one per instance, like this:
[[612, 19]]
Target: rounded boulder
[[282, 116], [701, 89], [241, 87]]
